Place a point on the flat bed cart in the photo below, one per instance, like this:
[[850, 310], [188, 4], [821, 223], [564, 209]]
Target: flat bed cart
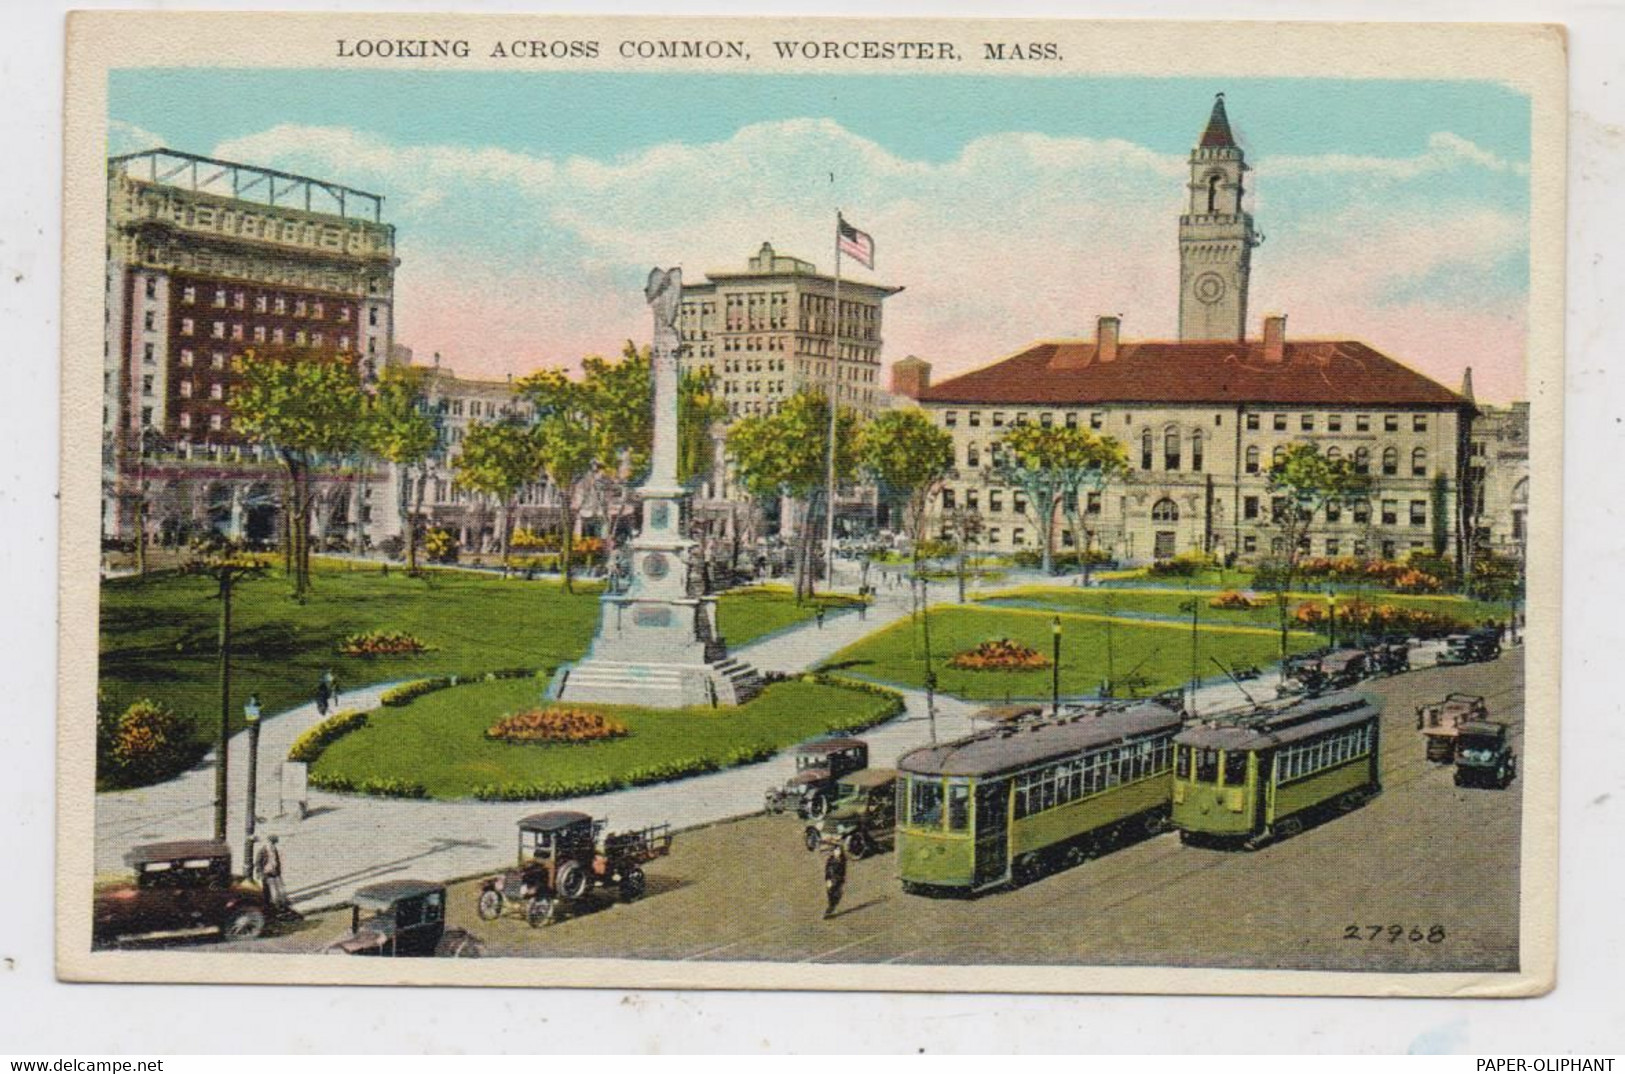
[[1441, 723], [563, 855]]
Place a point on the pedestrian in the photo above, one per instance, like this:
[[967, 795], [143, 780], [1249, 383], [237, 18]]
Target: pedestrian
[[332, 686], [268, 864], [818, 614], [834, 879], [863, 608], [322, 696]]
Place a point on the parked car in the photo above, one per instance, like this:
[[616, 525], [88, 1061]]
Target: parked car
[[1475, 646], [863, 818], [178, 886], [1441, 723], [1343, 667], [1391, 655], [1484, 756], [403, 919], [819, 766], [562, 856]]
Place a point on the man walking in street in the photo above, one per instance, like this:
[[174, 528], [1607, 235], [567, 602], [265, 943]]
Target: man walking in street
[[321, 697], [834, 879], [268, 864]]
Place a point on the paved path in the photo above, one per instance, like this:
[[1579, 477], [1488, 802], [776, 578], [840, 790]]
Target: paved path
[[349, 840]]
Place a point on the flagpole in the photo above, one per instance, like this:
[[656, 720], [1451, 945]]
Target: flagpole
[[834, 405]]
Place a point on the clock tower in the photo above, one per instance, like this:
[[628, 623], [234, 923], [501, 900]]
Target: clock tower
[[1216, 237]]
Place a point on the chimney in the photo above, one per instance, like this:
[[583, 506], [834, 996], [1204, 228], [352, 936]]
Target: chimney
[[910, 377], [1467, 385], [1275, 338], [1106, 339]]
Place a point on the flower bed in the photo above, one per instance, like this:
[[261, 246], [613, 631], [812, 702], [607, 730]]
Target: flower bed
[[1368, 618], [1237, 601], [309, 746], [381, 643], [556, 725], [1000, 655], [380, 786], [406, 692]]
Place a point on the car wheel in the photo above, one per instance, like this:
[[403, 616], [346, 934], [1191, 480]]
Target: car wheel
[[540, 911], [812, 838], [490, 904], [246, 924], [858, 846], [1459, 781], [633, 885], [817, 806], [572, 880]]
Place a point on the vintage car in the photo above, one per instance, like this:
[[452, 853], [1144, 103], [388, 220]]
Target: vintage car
[[1343, 667], [1483, 643], [1484, 756], [819, 766], [403, 919], [1441, 723], [179, 886], [562, 856], [1390, 655], [863, 818]]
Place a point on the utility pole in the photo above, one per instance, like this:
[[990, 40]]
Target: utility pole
[[1055, 668]]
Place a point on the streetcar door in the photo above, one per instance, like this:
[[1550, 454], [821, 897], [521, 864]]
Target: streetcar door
[[992, 832]]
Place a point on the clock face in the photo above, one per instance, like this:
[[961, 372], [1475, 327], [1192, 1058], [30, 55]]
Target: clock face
[[1209, 288], [655, 565]]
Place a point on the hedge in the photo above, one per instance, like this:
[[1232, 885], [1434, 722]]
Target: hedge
[[309, 746]]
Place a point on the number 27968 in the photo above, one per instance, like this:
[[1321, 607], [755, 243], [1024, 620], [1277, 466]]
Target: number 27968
[[1395, 933]]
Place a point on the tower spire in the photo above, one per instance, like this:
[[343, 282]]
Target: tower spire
[[1217, 135], [1467, 384]]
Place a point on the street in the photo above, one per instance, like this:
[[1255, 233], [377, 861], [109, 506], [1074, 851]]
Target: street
[[1423, 878]]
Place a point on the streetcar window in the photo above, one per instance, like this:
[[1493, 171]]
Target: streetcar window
[[958, 807], [1207, 766], [1182, 761], [1235, 768], [924, 803]]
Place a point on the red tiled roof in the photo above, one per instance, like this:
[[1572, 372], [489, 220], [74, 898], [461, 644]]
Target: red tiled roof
[[1333, 373], [1217, 135]]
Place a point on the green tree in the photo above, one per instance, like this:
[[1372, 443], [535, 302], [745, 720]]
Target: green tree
[[1303, 483], [782, 454], [699, 408], [908, 458], [307, 407], [498, 459], [400, 430], [571, 443], [1053, 466]]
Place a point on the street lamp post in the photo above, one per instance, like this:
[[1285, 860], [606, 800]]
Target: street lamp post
[[251, 716], [930, 675], [1331, 620], [1055, 668]]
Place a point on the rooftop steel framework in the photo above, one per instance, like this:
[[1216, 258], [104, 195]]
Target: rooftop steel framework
[[267, 186]]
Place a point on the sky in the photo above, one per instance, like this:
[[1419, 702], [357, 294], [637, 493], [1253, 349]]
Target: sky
[[529, 207]]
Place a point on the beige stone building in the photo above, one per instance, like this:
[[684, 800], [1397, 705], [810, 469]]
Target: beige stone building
[[1202, 417], [772, 329], [1498, 461]]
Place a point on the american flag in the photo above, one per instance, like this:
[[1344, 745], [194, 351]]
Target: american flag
[[857, 245]]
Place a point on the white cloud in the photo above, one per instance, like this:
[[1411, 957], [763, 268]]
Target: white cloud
[[125, 137], [511, 260]]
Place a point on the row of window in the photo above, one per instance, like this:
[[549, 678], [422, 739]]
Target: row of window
[[1078, 777], [1329, 751], [1361, 458], [930, 802], [235, 332], [1307, 422], [279, 304]]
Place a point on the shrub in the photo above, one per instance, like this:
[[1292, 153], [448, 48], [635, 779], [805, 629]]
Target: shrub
[[556, 725], [1414, 581], [1184, 565], [381, 786], [309, 746], [1231, 598], [396, 696], [440, 546], [145, 743], [381, 643], [393, 547], [1365, 617], [1000, 655]]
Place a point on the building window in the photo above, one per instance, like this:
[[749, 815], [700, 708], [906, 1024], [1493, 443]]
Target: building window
[[186, 326], [1390, 512], [974, 419], [217, 360], [1362, 460], [1097, 419], [1334, 423], [237, 332], [281, 304], [1362, 514], [149, 320], [1362, 423], [1072, 420], [998, 419], [219, 330], [1279, 423], [186, 357], [278, 336], [1196, 451], [259, 333], [1018, 536], [1145, 450], [146, 416], [1390, 461], [147, 353], [217, 422], [1249, 543], [299, 307], [1278, 456], [1252, 459], [973, 455], [1333, 546], [1249, 507], [260, 303], [237, 300], [219, 298], [372, 316], [1252, 421], [1170, 449], [1359, 548], [186, 420], [1092, 504], [1165, 510], [1419, 423], [1334, 512], [217, 391], [972, 500], [146, 385], [1390, 423], [949, 418], [995, 501], [1419, 512], [1306, 422], [1018, 503], [947, 499], [1021, 417], [1218, 421], [186, 389], [188, 295], [993, 536], [1046, 419], [1419, 462]]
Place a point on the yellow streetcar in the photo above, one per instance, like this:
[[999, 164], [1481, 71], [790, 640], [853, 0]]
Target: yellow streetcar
[[1249, 779], [1003, 806]]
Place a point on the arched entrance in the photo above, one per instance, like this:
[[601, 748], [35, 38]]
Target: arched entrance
[[1164, 517]]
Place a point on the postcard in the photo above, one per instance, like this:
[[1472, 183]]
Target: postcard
[[941, 505]]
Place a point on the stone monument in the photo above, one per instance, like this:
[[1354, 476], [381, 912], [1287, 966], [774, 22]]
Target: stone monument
[[657, 643]]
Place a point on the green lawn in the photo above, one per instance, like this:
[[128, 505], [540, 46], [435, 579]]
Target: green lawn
[[1155, 602], [158, 634], [743, 615], [439, 740], [1160, 652]]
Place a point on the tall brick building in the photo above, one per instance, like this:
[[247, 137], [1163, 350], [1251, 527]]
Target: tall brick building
[[205, 259]]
